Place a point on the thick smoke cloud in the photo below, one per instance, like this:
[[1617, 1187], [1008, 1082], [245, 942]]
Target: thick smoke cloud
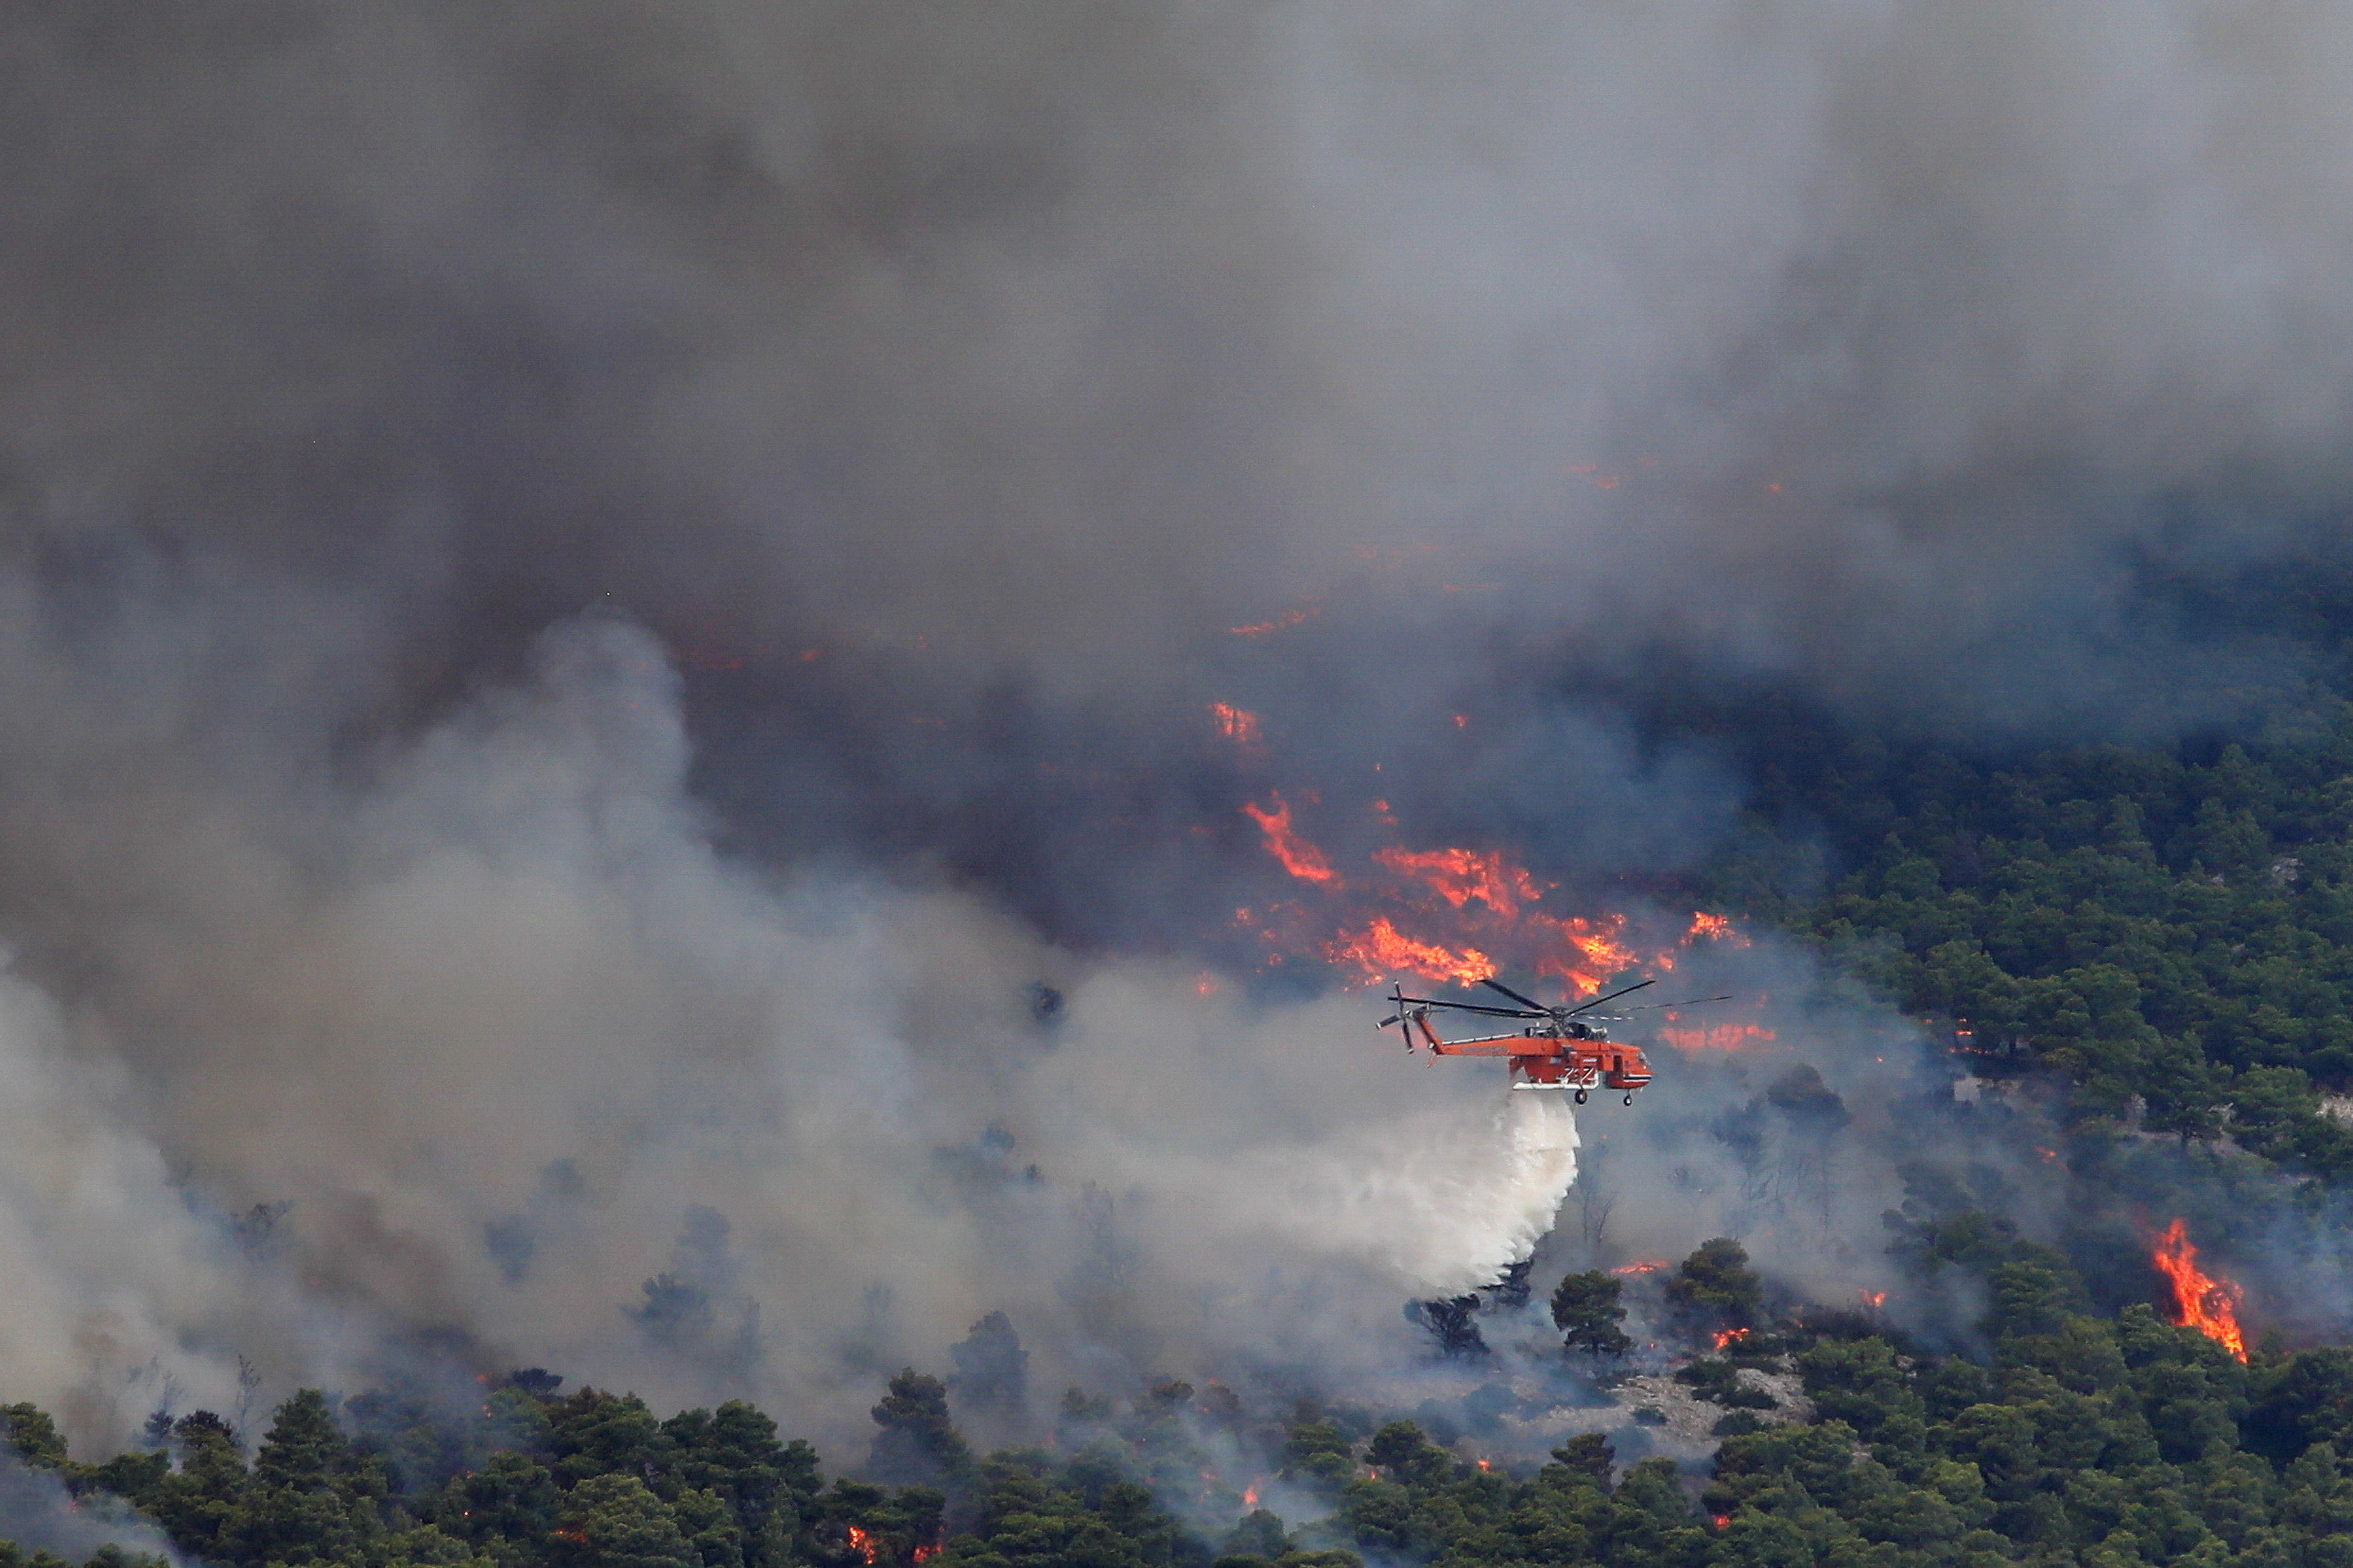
[[591, 598]]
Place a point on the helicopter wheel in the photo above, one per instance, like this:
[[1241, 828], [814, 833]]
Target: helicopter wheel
[[1630, 1099], [1581, 1096]]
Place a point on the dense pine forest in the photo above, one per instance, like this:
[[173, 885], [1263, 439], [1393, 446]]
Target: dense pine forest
[[2168, 932], [2073, 1438]]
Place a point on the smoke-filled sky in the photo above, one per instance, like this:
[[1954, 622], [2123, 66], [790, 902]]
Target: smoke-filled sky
[[591, 595]]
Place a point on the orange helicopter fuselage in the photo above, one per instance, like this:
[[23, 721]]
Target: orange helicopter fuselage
[[1548, 1058]]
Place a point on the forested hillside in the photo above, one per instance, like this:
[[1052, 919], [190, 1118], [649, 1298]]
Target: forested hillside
[[2167, 929], [2075, 1440]]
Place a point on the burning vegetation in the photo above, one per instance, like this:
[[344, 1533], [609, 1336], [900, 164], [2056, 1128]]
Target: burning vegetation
[[1457, 916], [1299, 857], [2201, 1301]]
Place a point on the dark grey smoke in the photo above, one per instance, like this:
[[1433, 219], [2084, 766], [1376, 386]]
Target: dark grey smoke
[[592, 596]]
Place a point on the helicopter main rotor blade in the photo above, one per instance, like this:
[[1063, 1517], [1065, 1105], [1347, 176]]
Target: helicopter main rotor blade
[[1484, 1012], [1652, 1007], [1571, 1012], [1525, 1002]]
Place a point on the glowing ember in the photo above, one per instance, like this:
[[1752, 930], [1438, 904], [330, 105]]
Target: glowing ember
[[864, 1545], [1460, 875], [925, 1553], [1250, 1495], [1380, 948], [1717, 1037], [1205, 984], [1874, 1298], [1484, 1467], [1239, 724], [2202, 1301], [1648, 1265], [1299, 857], [1727, 1337], [1722, 1521]]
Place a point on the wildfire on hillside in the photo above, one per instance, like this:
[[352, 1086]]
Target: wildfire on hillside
[[1382, 949], [1457, 916], [1648, 1265], [1726, 1338], [2201, 1302]]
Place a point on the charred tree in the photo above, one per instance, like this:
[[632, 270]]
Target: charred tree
[[1452, 1322]]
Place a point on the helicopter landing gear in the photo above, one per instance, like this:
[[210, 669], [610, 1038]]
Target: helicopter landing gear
[[1581, 1096], [1630, 1099]]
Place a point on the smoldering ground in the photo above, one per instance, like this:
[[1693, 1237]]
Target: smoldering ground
[[397, 399]]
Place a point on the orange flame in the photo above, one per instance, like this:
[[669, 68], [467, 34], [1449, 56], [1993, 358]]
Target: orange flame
[[1469, 914], [1299, 857], [1250, 1495], [865, 1545], [1460, 875], [2205, 1303], [1380, 948], [1648, 1265], [925, 1553], [1727, 1337], [1239, 724], [1717, 1037], [1715, 928], [1874, 1298], [1583, 953]]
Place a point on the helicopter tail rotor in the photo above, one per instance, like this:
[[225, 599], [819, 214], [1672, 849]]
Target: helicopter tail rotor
[[1402, 1018]]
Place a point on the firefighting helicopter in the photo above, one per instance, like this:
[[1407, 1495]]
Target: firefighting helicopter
[[1564, 1050]]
